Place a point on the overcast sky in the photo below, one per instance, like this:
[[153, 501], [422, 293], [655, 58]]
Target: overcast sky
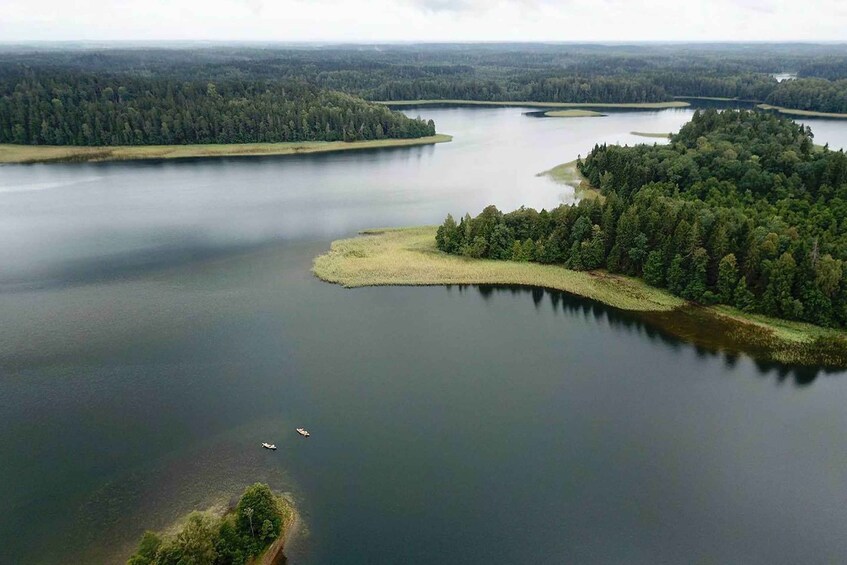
[[415, 20]]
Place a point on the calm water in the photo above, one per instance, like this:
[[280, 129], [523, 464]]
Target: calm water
[[159, 321]]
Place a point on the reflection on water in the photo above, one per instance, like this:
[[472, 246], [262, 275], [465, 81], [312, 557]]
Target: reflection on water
[[649, 327]]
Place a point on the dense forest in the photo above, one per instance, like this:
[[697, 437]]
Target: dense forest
[[816, 94], [741, 208], [282, 93], [81, 108], [233, 539]]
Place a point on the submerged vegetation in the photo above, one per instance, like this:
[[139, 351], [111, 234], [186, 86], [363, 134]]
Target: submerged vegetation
[[259, 521]]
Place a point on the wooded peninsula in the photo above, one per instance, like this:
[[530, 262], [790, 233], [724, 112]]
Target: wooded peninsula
[[254, 531], [739, 210]]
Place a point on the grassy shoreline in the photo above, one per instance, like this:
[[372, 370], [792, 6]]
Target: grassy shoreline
[[568, 175], [408, 257], [25, 154], [529, 104], [803, 113]]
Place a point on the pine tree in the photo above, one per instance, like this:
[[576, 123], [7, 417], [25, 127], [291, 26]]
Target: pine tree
[[676, 275], [742, 298], [727, 278], [654, 269]]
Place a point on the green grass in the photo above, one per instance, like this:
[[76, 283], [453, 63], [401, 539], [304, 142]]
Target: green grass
[[807, 113], [648, 134], [567, 174], [69, 153], [408, 256], [573, 113], [631, 105]]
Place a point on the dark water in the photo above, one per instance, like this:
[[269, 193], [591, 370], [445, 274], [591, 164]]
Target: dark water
[[159, 321]]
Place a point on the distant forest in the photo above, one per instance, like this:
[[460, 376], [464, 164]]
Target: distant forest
[[112, 94], [81, 108], [740, 209]]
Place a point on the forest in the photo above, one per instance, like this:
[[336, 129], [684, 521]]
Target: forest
[[110, 95], [741, 208], [232, 539], [60, 107]]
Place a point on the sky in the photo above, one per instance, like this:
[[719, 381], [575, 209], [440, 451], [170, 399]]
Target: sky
[[424, 20]]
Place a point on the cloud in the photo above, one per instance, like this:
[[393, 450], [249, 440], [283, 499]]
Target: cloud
[[423, 20], [438, 6], [443, 5], [761, 6], [255, 6]]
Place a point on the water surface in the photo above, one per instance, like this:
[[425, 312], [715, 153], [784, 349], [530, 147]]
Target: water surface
[[159, 321]]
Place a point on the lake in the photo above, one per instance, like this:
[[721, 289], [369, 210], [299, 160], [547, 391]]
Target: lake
[[159, 321]]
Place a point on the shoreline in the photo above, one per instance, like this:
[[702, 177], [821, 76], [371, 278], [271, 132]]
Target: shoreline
[[655, 135], [408, 257], [275, 553], [718, 99], [31, 154], [801, 113], [573, 113], [567, 174], [219, 514], [529, 104]]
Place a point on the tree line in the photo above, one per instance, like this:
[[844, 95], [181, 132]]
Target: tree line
[[506, 72], [78, 108], [817, 94], [233, 539], [741, 208]]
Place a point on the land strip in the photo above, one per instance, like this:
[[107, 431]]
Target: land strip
[[804, 113], [649, 134], [568, 174], [68, 153], [530, 104]]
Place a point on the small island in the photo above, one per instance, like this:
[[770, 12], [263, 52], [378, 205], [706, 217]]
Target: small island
[[254, 532], [573, 113]]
